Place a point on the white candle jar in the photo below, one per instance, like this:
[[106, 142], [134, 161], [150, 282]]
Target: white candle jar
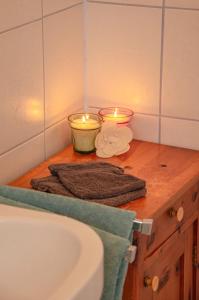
[[84, 129]]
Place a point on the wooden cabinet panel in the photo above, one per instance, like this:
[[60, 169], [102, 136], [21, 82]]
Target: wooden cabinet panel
[[175, 263], [166, 224], [196, 260], [188, 264], [167, 263]]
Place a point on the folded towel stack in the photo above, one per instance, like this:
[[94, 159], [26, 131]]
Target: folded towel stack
[[114, 226], [98, 182]]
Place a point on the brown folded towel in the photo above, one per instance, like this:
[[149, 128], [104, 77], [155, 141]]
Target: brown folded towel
[[54, 168], [92, 181], [94, 184], [121, 199], [51, 184]]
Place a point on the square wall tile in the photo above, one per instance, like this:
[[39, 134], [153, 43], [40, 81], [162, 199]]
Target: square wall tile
[[181, 64], [124, 56], [21, 159], [180, 133], [17, 12], [182, 3], [146, 128], [21, 78], [63, 51], [51, 6], [137, 2], [57, 137]]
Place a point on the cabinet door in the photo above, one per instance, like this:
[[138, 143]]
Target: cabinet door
[[188, 263], [172, 271], [164, 271], [196, 260]]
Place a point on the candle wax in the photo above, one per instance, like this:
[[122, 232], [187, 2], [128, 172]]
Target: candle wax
[[116, 118], [85, 124]]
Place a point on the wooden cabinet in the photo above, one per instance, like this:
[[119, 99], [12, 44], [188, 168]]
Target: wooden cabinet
[[165, 267], [172, 263], [167, 262], [168, 267]]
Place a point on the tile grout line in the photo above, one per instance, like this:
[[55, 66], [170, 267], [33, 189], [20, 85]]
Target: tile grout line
[[39, 19], [99, 2], [20, 26], [124, 4], [179, 118], [61, 120], [36, 135], [44, 81], [161, 70], [63, 9], [85, 55], [182, 8], [143, 5], [56, 123], [31, 138], [20, 144], [155, 115]]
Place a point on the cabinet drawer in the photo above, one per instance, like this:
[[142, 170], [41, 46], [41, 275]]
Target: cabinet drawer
[[163, 271], [172, 218]]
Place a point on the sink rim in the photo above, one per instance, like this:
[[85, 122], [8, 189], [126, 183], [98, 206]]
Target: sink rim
[[87, 237]]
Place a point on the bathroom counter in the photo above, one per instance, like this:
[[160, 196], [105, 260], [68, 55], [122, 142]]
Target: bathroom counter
[[168, 172], [167, 262]]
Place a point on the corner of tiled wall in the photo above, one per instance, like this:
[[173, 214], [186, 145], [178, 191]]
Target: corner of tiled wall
[[41, 64], [63, 68], [143, 54]]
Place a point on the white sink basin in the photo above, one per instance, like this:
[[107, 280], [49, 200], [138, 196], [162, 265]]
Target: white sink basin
[[48, 257]]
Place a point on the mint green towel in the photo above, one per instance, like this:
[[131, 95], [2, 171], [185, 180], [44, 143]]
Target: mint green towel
[[114, 226], [110, 219]]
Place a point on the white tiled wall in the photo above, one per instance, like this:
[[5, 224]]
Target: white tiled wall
[[182, 3], [180, 97], [63, 63], [141, 54], [41, 63], [17, 12], [144, 55], [22, 158], [181, 133], [123, 52], [21, 80]]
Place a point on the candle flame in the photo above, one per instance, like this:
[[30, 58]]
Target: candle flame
[[87, 116], [115, 112], [83, 119]]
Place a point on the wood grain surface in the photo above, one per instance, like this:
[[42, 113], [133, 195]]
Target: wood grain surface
[[168, 172]]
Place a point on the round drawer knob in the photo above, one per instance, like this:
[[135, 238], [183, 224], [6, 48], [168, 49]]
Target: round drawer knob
[[152, 282], [179, 213]]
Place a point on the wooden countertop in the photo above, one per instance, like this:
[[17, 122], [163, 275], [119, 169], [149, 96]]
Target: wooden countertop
[[168, 171]]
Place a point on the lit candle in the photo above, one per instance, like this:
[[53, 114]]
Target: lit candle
[[85, 128], [85, 122], [116, 115]]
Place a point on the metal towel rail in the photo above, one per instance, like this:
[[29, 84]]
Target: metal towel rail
[[144, 227]]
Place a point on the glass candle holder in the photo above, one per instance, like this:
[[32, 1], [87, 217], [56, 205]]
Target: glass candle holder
[[84, 129], [117, 115]]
